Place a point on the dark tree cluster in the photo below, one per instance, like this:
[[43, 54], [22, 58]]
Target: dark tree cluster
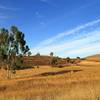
[[12, 47]]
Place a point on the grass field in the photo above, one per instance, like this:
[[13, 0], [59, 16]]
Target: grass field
[[46, 83]]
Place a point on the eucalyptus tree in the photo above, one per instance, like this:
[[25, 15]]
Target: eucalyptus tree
[[12, 45], [51, 54]]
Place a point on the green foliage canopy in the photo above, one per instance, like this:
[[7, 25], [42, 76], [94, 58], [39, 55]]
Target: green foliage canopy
[[12, 45]]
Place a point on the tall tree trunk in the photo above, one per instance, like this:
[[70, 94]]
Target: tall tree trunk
[[8, 72]]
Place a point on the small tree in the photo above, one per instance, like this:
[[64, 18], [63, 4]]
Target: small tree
[[29, 53], [51, 54], [38, 54], [54, 61], [68, 59], [78, 59]]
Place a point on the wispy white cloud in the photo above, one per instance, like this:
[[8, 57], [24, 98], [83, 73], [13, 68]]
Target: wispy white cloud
[[43, 0], [78, 44], [84, 50], [3, 17], [73, 31], [2, 7], [49, 2], [70, 45]]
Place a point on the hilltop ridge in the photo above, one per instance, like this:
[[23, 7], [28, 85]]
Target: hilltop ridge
[[95, 58]]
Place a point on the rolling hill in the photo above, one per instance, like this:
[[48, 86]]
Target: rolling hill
[[95, 58]]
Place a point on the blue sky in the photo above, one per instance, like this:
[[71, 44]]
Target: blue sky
[[65, 27]]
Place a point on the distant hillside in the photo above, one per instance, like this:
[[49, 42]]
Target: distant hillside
[[33, 61], [36, 60], [94, 58]]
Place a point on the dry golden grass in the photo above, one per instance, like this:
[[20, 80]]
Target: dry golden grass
[[46, 83], [94, 58]]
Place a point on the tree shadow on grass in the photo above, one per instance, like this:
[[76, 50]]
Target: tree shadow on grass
[[58, 73]]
